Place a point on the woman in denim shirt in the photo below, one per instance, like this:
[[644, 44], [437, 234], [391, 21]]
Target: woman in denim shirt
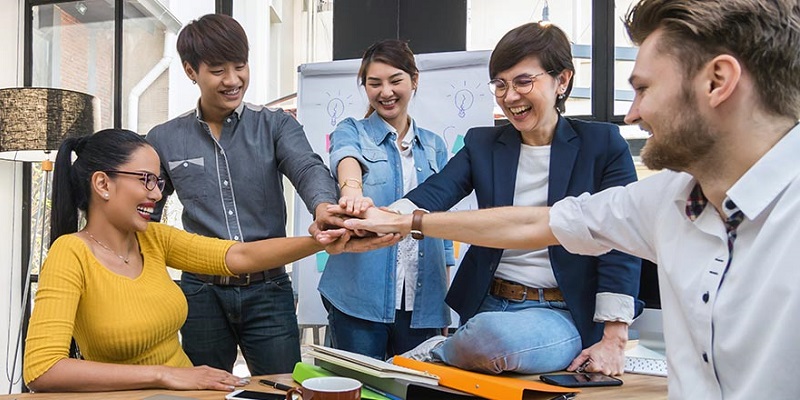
[[387, 301]]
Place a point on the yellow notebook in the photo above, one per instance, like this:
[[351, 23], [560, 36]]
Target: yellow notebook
[[488, 386]]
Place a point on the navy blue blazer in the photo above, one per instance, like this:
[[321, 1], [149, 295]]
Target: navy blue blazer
[[584, 157]]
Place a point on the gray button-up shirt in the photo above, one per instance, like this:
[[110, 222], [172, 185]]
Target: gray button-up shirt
[[232, 188]]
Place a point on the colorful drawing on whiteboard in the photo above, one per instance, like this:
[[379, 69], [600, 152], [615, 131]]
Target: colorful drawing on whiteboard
[[463, 98], [453, 139], [336, 107]]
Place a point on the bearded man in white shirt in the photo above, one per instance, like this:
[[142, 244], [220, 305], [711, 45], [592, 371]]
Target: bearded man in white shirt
[[718, 87]]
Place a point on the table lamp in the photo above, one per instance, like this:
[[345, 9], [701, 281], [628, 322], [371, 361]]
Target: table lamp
[[33, 123]]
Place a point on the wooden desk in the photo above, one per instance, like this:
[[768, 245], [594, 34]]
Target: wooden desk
[[635, 387]]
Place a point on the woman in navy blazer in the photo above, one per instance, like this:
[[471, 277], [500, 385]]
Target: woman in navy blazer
[[534, 311]]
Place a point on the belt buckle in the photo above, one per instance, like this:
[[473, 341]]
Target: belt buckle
[[246, 280], [524, 294]]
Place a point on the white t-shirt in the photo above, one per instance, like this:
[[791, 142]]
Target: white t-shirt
[[530, 267]]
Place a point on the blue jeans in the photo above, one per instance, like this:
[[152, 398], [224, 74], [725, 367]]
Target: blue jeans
[[260, 318], [374, 339], [528, 337]]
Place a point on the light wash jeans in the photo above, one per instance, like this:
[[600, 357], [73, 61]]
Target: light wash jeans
[[528, 337]]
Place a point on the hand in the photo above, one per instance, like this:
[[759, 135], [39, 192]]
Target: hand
[[199, 378], [343, 241], [324, 218], [355, 205], [606, 356], [376, 220]]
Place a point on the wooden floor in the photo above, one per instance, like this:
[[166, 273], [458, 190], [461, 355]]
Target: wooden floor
[[635, 387]]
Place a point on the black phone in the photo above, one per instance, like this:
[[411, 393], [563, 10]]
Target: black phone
[[586, 379], [253, 395]]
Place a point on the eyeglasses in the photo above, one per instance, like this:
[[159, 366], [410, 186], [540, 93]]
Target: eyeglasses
[[150, 181], [522, 84]]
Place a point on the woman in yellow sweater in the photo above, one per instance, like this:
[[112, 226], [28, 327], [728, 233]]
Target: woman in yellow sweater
[[107, 284]]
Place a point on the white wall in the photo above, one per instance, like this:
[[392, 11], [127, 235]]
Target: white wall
[[11, 46]]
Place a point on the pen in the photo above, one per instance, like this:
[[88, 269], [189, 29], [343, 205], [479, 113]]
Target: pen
[[583, 366], [276, 385]]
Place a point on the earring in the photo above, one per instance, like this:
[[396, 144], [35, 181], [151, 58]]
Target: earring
[[561, 96], [194, 82], [105, 195]]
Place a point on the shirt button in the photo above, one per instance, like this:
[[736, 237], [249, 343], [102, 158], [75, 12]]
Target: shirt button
[[228, 120], [221, 151], [705, 297], [705, 357], [236, 237], [225, 183], [419, 284], [186, 164], [230, 212], [419, 169], [421, 254]]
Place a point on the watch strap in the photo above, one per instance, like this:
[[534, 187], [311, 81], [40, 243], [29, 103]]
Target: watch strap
[[416, 224]]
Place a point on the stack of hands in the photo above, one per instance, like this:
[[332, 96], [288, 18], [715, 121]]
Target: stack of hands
[[355, 225]]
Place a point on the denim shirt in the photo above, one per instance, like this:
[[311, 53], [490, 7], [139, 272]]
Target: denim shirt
[[232, 187], [363, 285]]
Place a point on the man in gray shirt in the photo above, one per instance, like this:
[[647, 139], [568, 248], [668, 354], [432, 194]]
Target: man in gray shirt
[[226, 160]]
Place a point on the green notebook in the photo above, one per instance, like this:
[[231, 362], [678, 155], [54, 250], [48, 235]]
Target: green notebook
[[303, 371]]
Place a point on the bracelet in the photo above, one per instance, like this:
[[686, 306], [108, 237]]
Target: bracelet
[[356, 183], [416, 224]]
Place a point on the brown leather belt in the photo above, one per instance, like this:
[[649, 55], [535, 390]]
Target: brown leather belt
[[516, 292], [243, 279]]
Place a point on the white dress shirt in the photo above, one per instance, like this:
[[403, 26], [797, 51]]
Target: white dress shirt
[[731, 333]]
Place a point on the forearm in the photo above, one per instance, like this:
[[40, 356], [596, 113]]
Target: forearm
[[269, 253], [505, 227], [616, 332], [71, 375], [349, 176]]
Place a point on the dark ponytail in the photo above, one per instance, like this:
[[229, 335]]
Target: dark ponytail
[[102, 151]]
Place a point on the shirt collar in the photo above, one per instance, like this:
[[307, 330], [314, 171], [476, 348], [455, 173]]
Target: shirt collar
[[386, 129], [759, 186], [236, 112]]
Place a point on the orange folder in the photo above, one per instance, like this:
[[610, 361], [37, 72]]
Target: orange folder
[[488, 386]]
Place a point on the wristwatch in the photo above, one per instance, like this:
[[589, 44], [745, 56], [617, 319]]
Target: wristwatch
[[416, 224]]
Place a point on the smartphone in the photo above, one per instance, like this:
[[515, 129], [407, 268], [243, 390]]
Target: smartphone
[[242, 394], [586, 379]]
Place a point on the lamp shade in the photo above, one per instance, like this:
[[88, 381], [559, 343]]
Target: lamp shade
[[34, 121]]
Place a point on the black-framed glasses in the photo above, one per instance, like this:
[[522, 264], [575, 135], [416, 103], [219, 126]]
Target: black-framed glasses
[[150, 181], [522, 84]]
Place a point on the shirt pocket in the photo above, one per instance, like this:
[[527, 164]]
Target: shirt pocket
[[188, 178], [377, 166]]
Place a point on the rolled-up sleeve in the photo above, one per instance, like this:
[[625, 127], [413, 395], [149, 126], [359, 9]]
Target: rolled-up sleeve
[[569, 225], [345, 143]]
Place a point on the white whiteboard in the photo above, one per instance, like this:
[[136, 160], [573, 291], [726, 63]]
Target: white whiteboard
[[452, 97]]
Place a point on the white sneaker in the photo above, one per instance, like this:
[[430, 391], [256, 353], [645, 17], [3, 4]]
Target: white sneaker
[[424, 351]]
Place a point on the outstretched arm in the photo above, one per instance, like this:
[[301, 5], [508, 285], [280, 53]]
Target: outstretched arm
[[504, 227], [71, 375]]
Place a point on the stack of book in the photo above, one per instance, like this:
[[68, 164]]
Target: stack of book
[[414, 380]]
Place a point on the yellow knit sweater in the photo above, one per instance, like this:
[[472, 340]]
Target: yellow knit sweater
[[116, 319]]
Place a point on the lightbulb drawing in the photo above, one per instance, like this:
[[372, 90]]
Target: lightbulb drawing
[[463, 99], [335, 109]]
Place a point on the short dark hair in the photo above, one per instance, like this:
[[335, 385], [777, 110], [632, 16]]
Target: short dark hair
[[391, 52], [764, 35], [213, 39], [547, 42], [103, 151]]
